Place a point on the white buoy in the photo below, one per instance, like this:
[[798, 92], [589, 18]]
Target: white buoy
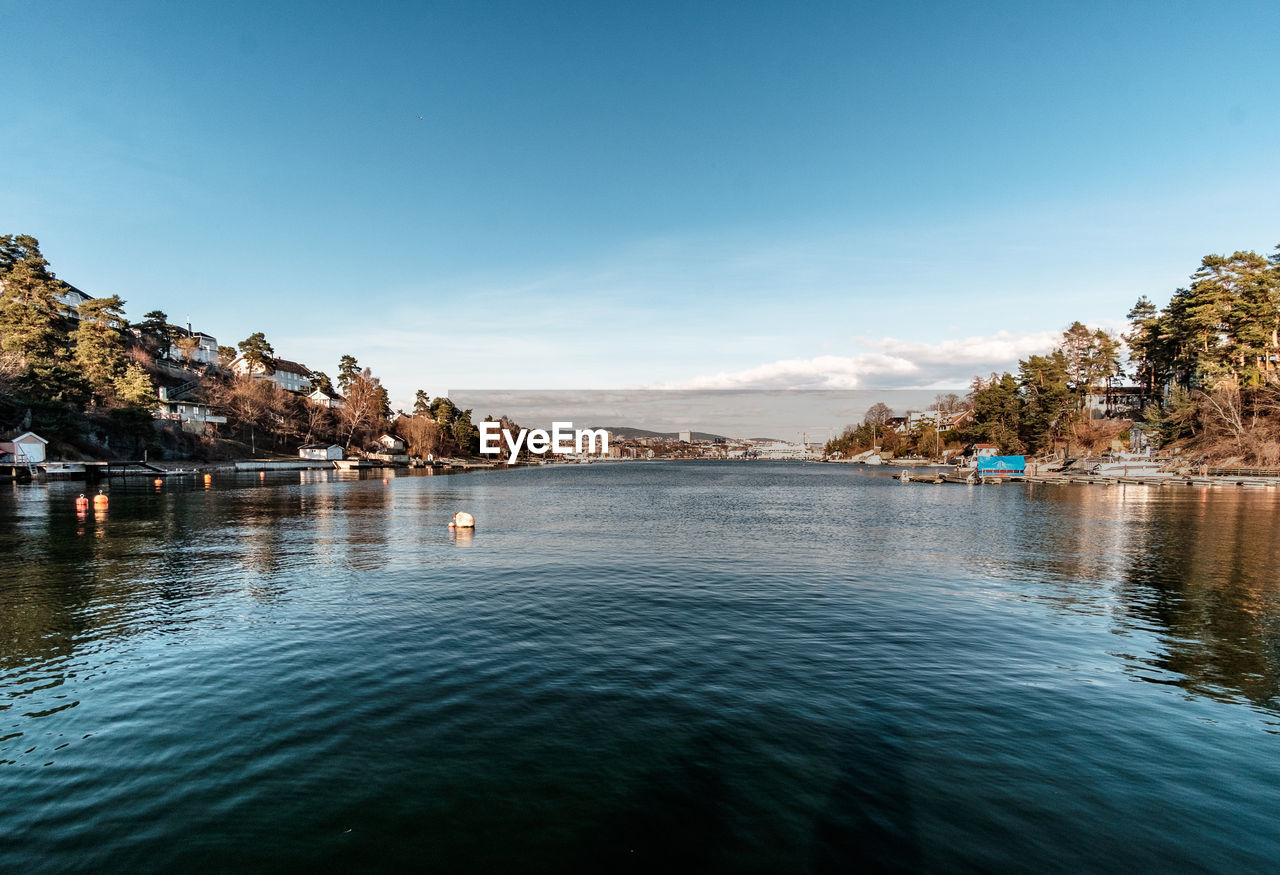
[[463, 520]]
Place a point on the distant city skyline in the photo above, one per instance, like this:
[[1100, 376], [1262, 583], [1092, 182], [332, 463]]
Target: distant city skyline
[[577, 195]]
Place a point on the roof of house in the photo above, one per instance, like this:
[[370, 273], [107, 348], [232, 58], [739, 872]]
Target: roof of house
[[327, 393], [27, 434], [180, 331], [319, 446], [292, 367]]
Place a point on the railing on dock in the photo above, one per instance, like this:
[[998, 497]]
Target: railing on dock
[[1244, 472]]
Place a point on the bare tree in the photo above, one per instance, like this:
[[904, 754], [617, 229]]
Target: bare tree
[[878, 414], [316, 420], [947, 403], [254, 404], [186, 346], [421, 435], [1223, 407]]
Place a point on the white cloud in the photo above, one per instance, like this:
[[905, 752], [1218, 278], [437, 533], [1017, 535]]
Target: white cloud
[[887, 363]]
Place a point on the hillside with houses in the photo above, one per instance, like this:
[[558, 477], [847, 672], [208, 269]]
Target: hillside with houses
[[76, 372]]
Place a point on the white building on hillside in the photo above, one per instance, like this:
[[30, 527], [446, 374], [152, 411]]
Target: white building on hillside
[[71, 298], [288, 375], [204, 352], [193, 415], [327, 398]]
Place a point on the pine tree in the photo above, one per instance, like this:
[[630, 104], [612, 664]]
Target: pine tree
[[99, 343], [258, 355], [133, 387], [1048, 404], [32, 323], [348, 370], [421, 403], [1147, 351]]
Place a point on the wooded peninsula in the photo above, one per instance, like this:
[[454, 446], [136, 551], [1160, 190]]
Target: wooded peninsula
[[1199, 377]]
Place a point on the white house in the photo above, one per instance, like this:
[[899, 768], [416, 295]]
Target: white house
[[205, 351], [327, 398], [981, 451], [288, 375], [27, 448], [320, 452], [192, 414], [71, 298], [391, 443]]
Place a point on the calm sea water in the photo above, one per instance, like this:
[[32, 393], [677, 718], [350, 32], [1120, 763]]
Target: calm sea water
[[738, 667]]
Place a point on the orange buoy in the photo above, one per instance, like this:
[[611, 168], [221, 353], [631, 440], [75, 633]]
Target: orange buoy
[[100, 501], [385, 481], [82, 503], [262, 475], [208, 478], [159, 482]]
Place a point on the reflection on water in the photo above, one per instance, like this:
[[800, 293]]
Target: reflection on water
[[1189, 565], [1200, 573], [732, 666]]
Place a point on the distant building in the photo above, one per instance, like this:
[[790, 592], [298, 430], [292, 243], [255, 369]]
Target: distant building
[[686, 437], [391, 443], [1116, 401], [974, 452], [782, 450]]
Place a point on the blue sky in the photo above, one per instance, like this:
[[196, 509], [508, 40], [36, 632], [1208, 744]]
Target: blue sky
[[603, 195]]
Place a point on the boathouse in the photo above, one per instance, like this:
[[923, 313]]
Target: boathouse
[[1001, 466], [27, 448], [320, 452]]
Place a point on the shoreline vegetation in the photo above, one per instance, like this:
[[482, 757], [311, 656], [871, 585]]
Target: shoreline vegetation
[[1197, 380]]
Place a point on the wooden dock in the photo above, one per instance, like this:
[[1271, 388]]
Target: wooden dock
[[132, 468], [1219, 478], [1252, 482]]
